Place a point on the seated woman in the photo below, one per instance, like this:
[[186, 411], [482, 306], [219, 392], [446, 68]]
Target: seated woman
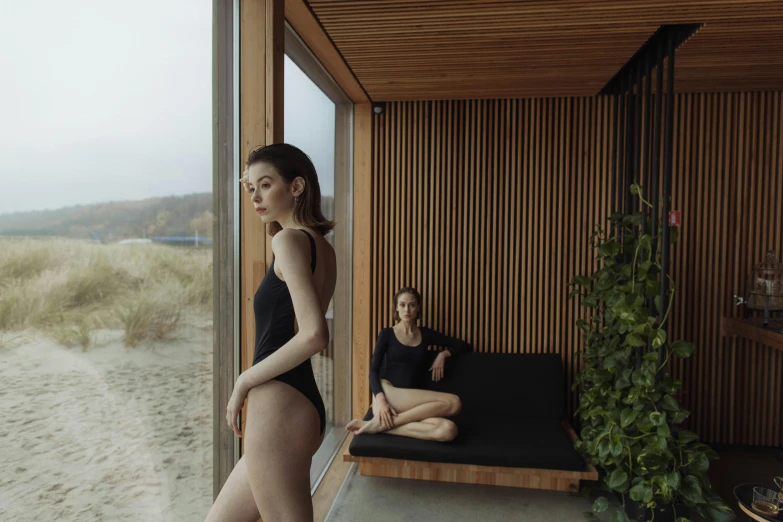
[[399, 406]]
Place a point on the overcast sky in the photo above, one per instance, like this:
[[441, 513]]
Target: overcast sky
[[108, 100]]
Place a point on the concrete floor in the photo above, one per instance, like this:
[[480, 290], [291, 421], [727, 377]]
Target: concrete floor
[[376, 499], [379, 499]]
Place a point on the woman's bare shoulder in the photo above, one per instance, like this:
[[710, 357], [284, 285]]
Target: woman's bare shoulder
[[289, 239]]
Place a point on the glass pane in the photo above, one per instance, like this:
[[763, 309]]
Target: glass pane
[[106, 261], [310, 125]]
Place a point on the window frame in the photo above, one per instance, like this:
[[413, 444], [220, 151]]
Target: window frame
[[302, 57]]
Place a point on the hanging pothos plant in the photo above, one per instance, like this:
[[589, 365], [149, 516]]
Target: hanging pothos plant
[[628, 410]]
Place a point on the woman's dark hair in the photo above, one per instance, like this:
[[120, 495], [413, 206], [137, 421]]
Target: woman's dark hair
[[406, 290], [290, 163]]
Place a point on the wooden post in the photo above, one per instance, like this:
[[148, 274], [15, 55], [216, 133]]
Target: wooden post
[[362, 257], [261, 48]]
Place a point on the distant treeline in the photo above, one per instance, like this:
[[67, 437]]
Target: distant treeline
[[167, 216]]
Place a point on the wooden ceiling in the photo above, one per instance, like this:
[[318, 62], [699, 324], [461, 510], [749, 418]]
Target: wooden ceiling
[[462, 49]]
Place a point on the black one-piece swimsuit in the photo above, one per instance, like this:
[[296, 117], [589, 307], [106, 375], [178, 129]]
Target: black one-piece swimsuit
[[274, 311]]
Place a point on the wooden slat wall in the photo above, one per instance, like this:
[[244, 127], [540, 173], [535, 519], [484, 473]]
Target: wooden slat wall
[[728, 181], [476, 205], [486, 206]]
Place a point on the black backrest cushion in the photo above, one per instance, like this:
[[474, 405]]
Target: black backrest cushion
[[528, 385]]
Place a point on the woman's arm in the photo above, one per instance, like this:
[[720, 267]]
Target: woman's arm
[[381, 346], [453, 345], [291, 249]]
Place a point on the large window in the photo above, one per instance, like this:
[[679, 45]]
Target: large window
[[318, 119], [106, 352]]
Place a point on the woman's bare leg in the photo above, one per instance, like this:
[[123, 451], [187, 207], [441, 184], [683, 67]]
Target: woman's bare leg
[[438, 429], [281, 435], [411, 405], [235, 501]]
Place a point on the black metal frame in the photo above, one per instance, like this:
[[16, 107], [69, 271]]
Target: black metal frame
[[637, 138]]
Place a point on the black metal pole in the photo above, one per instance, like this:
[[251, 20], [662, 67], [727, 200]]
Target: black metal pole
[[621, 149], [628, 178], [654, 192], [615, 153], [648, 133], [667, 179], [637, 134]]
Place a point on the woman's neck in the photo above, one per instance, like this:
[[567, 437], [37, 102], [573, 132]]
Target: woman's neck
[[288, 221], [408, 327]]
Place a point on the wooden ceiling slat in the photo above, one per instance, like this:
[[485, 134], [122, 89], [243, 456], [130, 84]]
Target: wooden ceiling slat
[[427, 49]]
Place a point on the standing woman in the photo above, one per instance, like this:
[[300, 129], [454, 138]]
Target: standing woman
[[285, 413], [397, 373]]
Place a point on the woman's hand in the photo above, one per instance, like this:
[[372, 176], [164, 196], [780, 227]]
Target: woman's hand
[[235, 405], [245, 179], [438, 367], [383, 411]]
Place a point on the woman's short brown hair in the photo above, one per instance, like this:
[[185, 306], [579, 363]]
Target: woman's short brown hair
[[406, 290], [290, 163]]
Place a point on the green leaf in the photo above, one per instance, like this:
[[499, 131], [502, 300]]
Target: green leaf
[[618, 516], [670, 403], [616, 448], [701, 464], [663, 430], [682, 349], [627, 417], [659, 339], [634, 340], [722, 513], [623, 379], [641, 378], [691, 489], [673, 479], [643, 329], [600, 505], [618, 480], [635, 189], [686, 436], [581, 280], [641, 492]]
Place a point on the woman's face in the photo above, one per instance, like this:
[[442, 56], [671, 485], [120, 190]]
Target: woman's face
[[272, 197], [407, 307]]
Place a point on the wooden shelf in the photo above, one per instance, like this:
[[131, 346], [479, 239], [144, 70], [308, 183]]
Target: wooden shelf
[[752, 329]]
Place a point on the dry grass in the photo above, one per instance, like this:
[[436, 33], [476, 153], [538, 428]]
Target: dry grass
[[67, 288]]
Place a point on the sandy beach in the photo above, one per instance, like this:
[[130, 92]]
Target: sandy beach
[[110, 433]]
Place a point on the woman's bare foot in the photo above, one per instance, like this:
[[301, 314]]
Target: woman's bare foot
[[354, 425], [360, 427]]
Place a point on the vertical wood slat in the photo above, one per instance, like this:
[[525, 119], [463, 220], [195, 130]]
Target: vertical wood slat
[[469, 160]]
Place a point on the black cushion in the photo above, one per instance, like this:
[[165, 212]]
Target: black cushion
[[484, 441], [528, 385], [512, 408]]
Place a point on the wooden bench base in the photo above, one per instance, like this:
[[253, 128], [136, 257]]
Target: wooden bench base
[[555, 480]]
